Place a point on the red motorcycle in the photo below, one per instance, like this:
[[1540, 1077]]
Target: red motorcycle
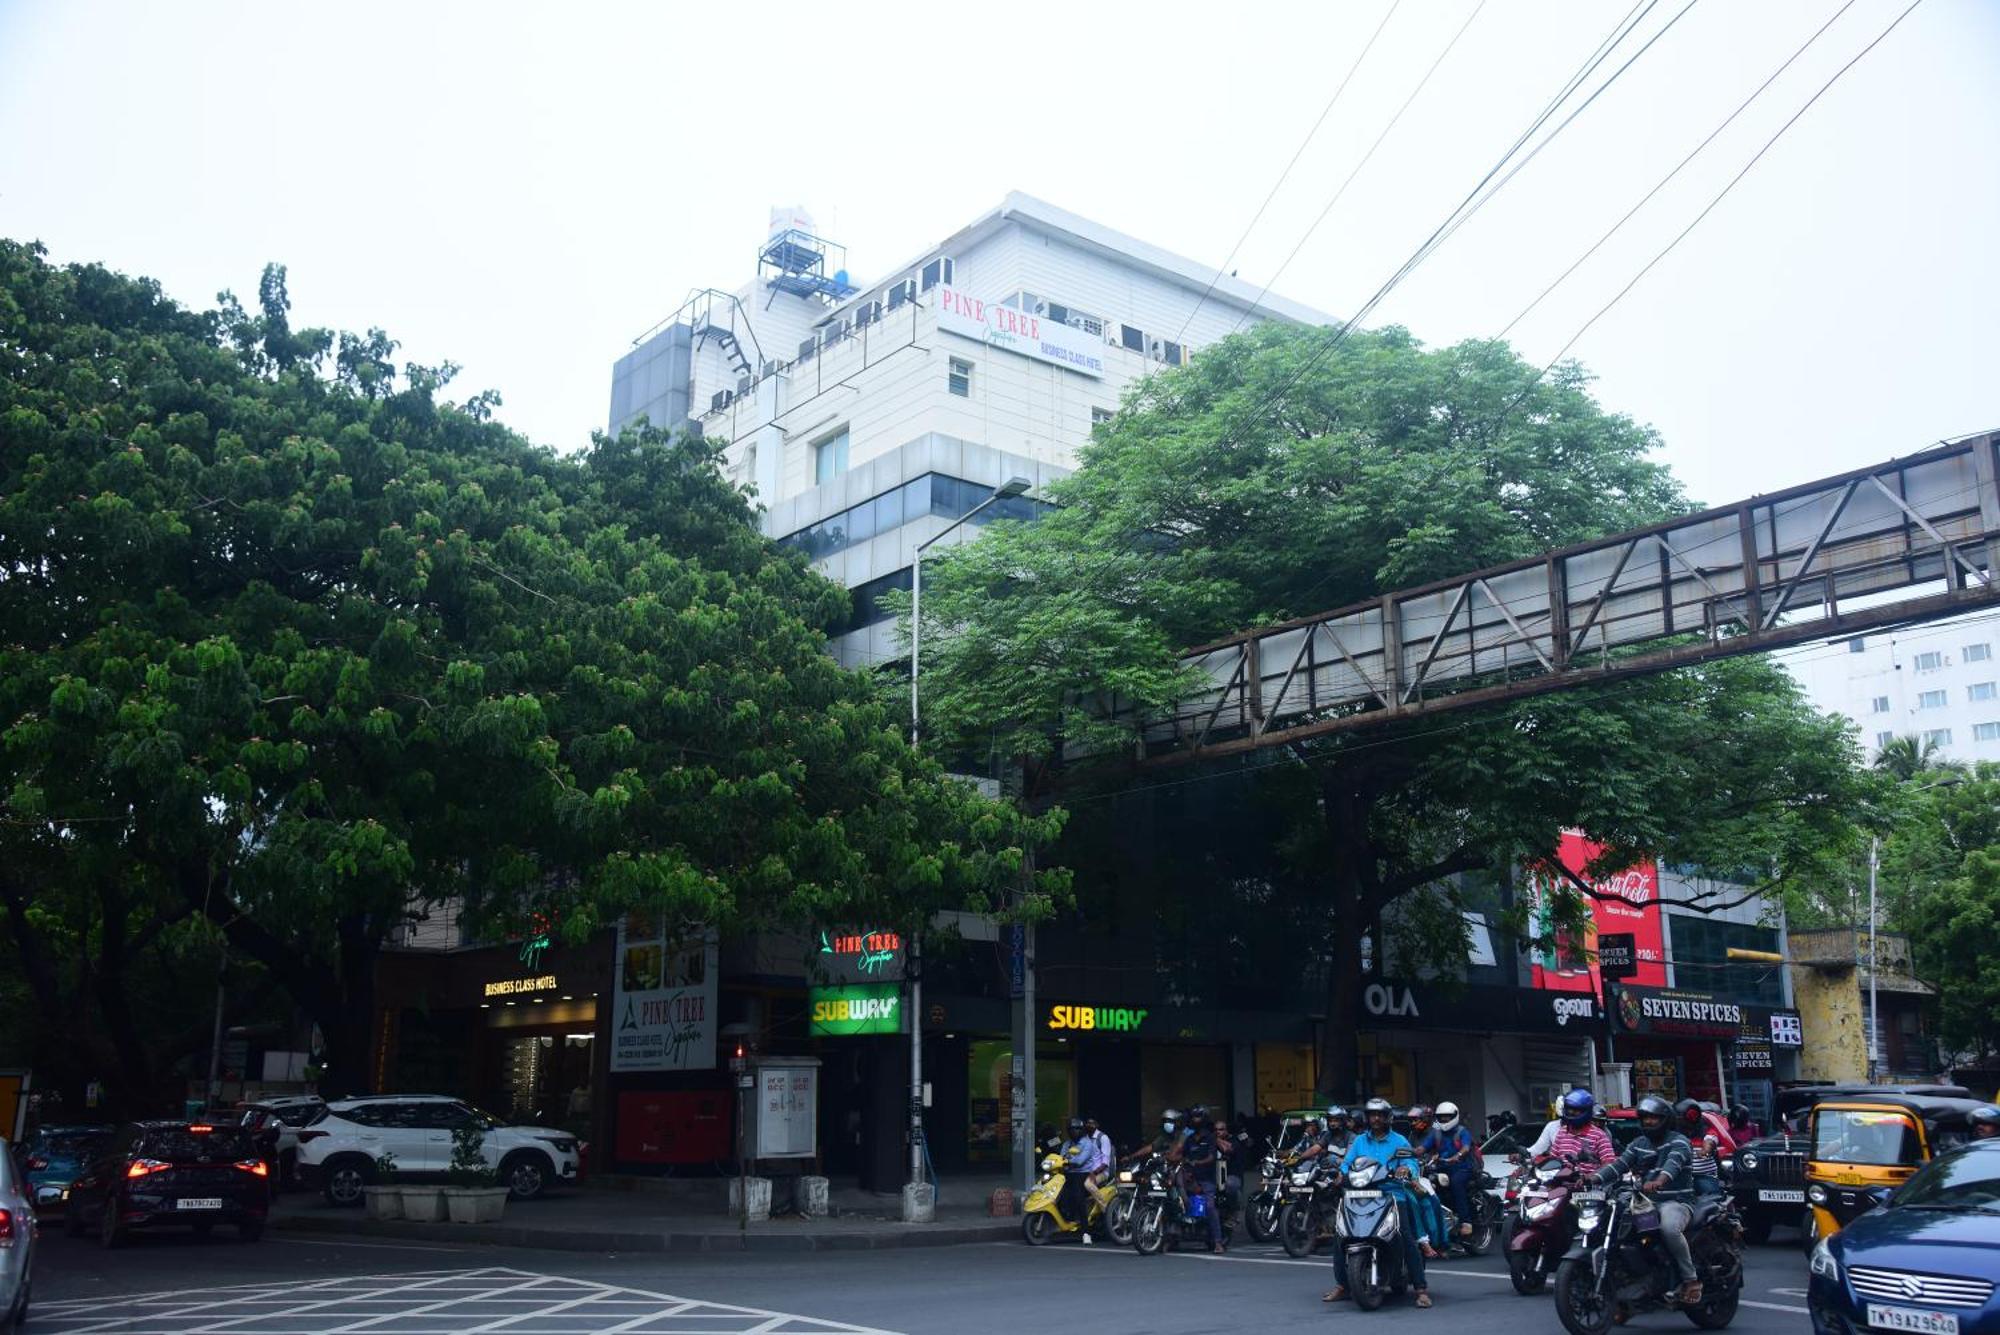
[[1544, 1224]]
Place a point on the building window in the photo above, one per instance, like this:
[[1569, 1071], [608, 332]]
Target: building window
[[1938, 737], [1986, 732], [868, 609], [1880, 704], [1930, 662], [1982, 690], [1701, 949], [1856, 645], [830, 458], [1978, 653], [959, 379], [937, 271], [1131, 338], [1882, 739], [1100, 416], [1931, 700]]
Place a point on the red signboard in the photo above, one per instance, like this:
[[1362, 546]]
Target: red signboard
[[1626, 903], [683, 1126]]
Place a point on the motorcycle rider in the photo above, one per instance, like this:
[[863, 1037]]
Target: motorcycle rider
[[1985, 1122], [1741, 1127], [1662, 1147], [1430, 1212], [1206, 1149], [1106, 1155], [1380, 1143], [1339, 1128], [1072, 1202], [1575, 1134], [1703, 1147], [1452, 1145]]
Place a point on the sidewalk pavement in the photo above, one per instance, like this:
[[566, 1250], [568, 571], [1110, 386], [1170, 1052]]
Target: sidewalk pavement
[[600, 1220]]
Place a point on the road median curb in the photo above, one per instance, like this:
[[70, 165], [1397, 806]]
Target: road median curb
[[670, 1241]]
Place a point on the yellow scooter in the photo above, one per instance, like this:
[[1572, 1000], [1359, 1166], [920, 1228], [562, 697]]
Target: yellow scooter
[[1041, 1221]]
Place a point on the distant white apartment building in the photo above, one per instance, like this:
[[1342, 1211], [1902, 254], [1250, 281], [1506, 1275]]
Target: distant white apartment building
[[1939, 683], [870, 416]]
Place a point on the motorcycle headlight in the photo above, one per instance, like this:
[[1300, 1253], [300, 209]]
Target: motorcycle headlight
[[1816, 1194], [1302, 1178], [1154, 1182], [1270, 1168], [1540, 1210], [1748, 1160], [1590, 1216], [1823, 1263], [1124, 1175]]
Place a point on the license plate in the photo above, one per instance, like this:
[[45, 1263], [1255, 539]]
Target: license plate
[[198, 1203], [1905, 1318], [1781, 1195], [1364, 1195]]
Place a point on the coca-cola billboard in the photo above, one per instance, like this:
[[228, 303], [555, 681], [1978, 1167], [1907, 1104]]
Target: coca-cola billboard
[[1624, 903]]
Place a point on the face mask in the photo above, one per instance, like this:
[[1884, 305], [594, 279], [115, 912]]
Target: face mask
[[1167, 1127]]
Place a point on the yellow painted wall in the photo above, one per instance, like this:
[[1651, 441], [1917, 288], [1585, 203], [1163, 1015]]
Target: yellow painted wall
[[1836, 1031]]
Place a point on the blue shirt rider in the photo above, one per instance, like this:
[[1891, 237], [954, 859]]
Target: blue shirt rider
[[1380, 1143]]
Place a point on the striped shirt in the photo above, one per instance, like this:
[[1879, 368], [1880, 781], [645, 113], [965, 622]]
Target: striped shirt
[[1591, 1145]]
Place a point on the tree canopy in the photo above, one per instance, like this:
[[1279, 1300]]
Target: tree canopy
[[1266, 481], [295, 645]]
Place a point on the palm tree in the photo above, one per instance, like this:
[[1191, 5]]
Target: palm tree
[[1908, 756]]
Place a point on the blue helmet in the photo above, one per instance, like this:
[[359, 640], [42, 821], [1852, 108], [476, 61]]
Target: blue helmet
[[1578, 1107], [1987, 1114]]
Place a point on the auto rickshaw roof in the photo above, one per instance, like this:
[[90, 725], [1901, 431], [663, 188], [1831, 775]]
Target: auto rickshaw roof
[[1930, 1109]]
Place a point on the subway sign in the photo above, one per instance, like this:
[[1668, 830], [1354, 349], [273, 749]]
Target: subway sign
[[865, 1008], [1097, 1019]]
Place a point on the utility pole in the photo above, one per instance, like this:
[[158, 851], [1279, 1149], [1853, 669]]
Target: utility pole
[[1874, 963]]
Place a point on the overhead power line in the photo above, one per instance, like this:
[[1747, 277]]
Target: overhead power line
[[1720, 195], [1693, 153], [1421, 83], [1257, 217]]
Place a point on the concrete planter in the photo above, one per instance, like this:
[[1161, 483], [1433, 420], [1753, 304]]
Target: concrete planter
[[475, 1205], [383, 1202], [423, 1204]]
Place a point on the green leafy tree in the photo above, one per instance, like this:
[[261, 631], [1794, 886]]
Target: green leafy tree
[[1214, 502], [1908, 756], [294, 644]]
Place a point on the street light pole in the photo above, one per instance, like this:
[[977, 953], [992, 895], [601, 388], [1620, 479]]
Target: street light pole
[[1013, 486], [1874, 963]]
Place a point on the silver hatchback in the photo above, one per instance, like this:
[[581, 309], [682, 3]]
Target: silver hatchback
[[17, 1243]]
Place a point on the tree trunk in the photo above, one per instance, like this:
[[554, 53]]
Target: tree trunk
[[1340, 1039]]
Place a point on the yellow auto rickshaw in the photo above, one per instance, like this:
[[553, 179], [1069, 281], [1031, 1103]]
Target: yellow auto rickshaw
[[1863, 1146]]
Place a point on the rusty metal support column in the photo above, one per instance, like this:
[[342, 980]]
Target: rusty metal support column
[[1753, 597]]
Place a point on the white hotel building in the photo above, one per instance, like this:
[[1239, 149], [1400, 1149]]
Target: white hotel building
[[1939, 683], [869, 417]]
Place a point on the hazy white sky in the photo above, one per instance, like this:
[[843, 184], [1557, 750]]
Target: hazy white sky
[[523, 189]]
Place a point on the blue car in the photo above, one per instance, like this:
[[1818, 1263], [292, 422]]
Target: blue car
[[1927, 1261], [54, 1157]]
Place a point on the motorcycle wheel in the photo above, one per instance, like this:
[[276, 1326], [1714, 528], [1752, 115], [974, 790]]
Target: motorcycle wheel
[[1295, 1229], [1580, 1308], [1367, 1294], [1525, 1269], [1118, 1221], [1038, 1228], [1151, 1235], [1714, 1313], [1484, 1226], [1262, 1218]]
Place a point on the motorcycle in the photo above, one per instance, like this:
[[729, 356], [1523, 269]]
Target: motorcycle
[[1618, 1262], [1260, 1216], [1121, 1214], [1167, 1214], [1543, 1225], [1042, 1221], [1368, 1230], [1312, 1195]]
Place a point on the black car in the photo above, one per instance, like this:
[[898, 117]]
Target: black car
[[1768, 1179], [174, 1174]]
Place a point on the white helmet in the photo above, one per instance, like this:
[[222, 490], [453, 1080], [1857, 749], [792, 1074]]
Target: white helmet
[[1447, 1117]]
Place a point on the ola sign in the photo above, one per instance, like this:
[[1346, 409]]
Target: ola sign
[[1104, 1019], [869, 1008]]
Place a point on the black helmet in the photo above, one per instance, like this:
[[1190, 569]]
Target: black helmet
[[1654, 1106], [1689, 1112], [1738, 1113], [1198, 1115]]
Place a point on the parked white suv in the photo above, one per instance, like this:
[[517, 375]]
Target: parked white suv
[[337, 1152]]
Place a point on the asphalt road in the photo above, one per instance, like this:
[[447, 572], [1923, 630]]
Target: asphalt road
[[302, 1286]]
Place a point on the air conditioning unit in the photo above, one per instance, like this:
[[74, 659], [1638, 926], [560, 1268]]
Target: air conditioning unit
[[723, 398], [867, 313], [1133, 339], [902, 293]]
